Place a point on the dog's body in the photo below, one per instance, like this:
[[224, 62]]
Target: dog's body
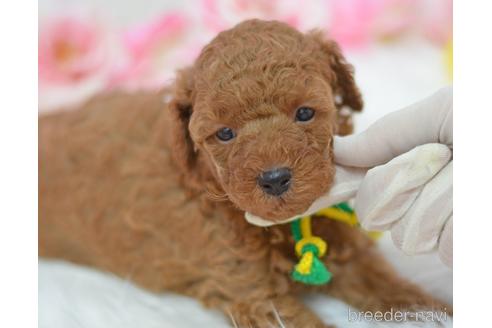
[[119, 191]]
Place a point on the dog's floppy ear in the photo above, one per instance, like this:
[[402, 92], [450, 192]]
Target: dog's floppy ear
[[180, 110], [341, 77], [184, 151]]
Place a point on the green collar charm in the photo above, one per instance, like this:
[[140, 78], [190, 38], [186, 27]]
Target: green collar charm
[[311, 270]]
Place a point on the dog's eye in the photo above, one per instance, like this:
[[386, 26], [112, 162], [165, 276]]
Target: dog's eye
[[225, 134], [304, 114]]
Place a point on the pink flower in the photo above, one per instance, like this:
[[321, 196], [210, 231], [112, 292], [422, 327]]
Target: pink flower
[[222, 14], [437, 20], [75, 55], [71, 49], [356, 23], [153, 52], [351, 22]]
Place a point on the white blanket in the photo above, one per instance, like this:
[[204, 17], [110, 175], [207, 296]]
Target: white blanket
[[72, 296]]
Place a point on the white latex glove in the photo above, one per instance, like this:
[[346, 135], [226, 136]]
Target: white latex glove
[[400, 173]]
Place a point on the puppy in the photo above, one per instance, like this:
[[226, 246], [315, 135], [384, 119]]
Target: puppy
[[156, 192]]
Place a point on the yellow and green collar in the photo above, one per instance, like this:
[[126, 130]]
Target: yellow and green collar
[[310, 269]]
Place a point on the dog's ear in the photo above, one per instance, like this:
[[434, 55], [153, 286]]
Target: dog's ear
[[341, 77], [342, 73], [185, 153], [180, 109]]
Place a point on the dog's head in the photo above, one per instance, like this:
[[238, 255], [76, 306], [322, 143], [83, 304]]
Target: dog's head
[[254, 117]]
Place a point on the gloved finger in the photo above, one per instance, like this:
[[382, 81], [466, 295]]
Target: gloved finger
[[345, 185], [388, 191], [428, 121], [445, 249], [420, 228]]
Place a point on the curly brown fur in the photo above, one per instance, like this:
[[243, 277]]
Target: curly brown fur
[[145, 190]]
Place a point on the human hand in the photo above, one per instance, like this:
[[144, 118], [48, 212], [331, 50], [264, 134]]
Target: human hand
[[400, 173]]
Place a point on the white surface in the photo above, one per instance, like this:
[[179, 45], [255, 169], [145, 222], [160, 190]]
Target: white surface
[[393, 76], [390, 77], [73, 296]]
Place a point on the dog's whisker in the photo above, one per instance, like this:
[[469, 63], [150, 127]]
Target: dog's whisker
[[277, 316], [216, 195], [302, 155], [232, 318]]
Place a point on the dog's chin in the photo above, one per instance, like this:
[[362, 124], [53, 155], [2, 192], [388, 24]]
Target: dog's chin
[[282, 209], [278, 214]]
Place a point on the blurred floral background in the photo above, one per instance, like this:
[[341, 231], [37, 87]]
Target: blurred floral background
[[91, 46]]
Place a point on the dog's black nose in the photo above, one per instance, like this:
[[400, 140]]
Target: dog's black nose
[[275, 181]]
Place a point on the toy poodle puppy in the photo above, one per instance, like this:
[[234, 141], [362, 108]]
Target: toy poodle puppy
[[156, 192]]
